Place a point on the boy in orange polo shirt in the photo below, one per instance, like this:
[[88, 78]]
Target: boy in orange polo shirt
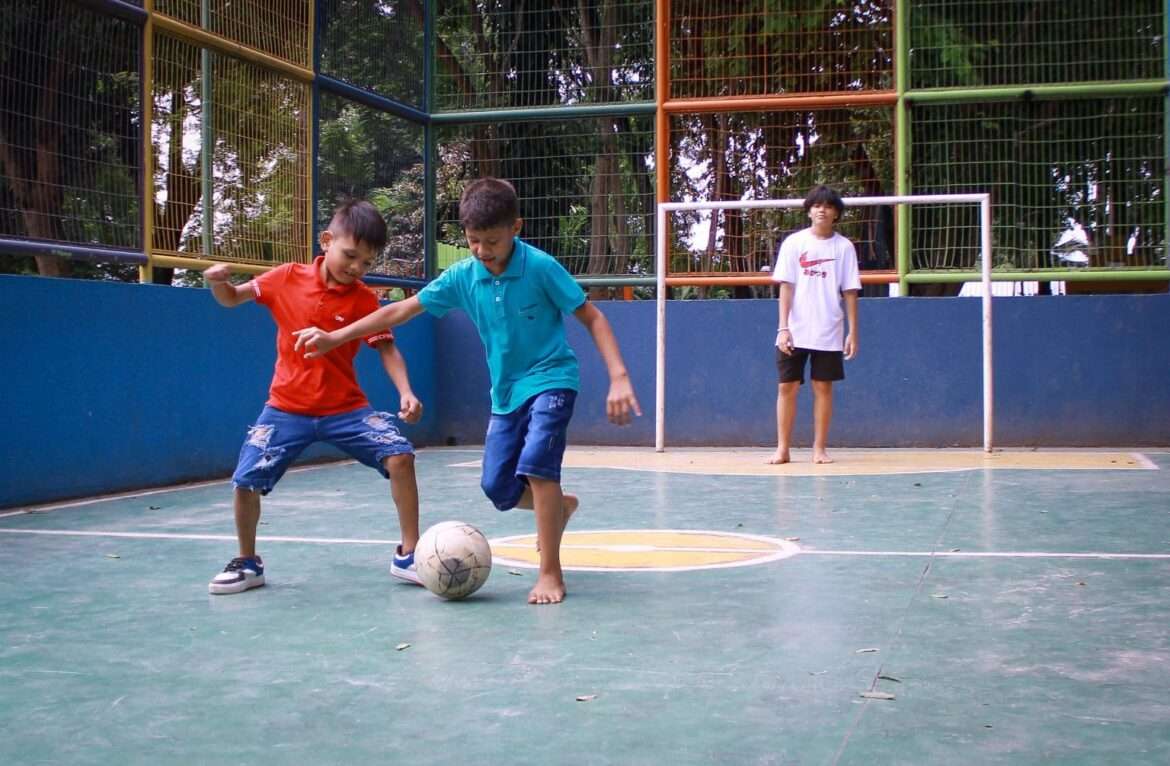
[[319, 399]]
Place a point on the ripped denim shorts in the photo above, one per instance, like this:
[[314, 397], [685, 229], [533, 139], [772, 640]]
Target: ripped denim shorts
[[279, 437]]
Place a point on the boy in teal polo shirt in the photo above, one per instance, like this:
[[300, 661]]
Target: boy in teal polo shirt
[[516, 296]]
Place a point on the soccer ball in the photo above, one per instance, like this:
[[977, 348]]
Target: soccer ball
[[453, 559]]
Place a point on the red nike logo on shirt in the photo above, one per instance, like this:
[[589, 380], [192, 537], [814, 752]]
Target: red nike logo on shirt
[[805, 262]]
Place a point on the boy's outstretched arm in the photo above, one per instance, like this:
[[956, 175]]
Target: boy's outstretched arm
[[410, 408], [224, 292], [317, 342], [621, 400]]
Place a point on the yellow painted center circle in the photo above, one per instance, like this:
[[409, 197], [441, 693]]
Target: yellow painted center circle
[[657, 550]]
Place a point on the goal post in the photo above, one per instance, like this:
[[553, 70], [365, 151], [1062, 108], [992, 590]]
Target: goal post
[[983, 200]]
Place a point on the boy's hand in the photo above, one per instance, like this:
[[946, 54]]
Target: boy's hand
[[410, 408], [784, 341], [850, 346], [218, 273], [315, 341], [621, 401]]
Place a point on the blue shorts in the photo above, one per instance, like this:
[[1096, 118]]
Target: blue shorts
[[279, 437], [529, 441]]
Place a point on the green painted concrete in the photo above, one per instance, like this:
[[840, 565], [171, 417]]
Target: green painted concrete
[[1014, 660]]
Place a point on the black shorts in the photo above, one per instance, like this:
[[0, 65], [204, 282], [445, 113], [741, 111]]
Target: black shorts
[[826, 365]]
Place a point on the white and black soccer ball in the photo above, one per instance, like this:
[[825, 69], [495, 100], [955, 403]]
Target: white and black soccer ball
[[453, 559]]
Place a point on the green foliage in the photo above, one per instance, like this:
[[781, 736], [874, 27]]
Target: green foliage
[[587, 185], [68, 142], [949, 47], [376, 156], [770, 47], [502, 53], [1092, 163], [347, 152], [376, 46], [1006, 42], [572, 230]]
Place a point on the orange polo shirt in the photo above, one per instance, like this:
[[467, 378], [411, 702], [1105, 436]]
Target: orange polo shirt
[[298, 297]]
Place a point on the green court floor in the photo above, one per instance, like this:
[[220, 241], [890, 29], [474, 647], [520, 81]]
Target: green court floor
[[993, 616]]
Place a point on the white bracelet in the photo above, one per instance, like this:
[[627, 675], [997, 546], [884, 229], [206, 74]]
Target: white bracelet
[[783, 329]]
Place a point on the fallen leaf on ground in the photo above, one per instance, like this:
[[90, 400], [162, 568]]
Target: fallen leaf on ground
[[878, 696], [586, 697], [400, 647], [868, 650]]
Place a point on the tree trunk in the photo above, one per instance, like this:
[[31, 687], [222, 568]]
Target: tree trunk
[[598, 42], [34, 175]]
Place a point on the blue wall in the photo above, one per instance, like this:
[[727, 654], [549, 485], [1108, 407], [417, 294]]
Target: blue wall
[[1069, 371], [110, 386]]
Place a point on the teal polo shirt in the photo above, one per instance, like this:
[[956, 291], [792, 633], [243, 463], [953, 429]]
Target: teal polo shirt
[[520, 318]]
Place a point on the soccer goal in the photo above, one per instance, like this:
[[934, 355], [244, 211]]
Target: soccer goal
[[701, 221]]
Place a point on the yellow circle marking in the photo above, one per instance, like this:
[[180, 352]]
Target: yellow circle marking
[[641, 550]]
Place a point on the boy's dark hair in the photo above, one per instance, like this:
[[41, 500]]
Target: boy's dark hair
[[487, 203], [823, 195], [362, 221]]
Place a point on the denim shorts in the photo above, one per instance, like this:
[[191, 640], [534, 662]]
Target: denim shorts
[[529, 441], [279, 437]]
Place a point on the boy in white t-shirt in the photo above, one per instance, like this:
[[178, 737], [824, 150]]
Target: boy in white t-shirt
[[816, 267]]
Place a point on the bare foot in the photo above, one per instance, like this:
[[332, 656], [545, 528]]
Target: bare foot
[[569, 506], [820, 456], [549, 589], [779, 457]]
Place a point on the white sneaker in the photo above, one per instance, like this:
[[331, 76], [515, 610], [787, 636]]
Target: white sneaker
[[403, 567], [239, 575]]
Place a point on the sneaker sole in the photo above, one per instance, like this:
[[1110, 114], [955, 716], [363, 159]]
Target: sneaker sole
[[406, 576], [235, 587]]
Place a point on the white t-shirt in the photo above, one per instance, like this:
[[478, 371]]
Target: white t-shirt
[[819, 269]]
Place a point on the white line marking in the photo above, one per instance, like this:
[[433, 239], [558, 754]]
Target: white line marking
[[991, 554], [28, 509], [508, 543], [1144, 461], [46, 507], [184, 536], [646, 548], [773, 542], [521, 564], [690, 471]]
